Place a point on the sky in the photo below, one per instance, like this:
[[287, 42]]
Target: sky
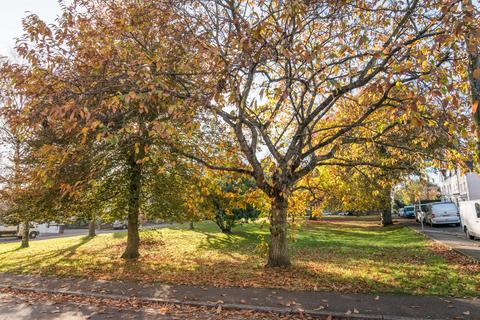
[[11, 14]]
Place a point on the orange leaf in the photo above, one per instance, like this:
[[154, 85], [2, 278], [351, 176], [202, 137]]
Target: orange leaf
[[476, 73], [475, 106]]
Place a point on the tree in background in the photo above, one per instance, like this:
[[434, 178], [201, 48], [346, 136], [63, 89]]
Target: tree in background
[[415, 189], [233, 200]]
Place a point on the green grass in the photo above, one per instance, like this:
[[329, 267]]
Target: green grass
[[344, 255]]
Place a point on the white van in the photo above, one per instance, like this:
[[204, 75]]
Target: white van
[[442, 213], [470, 215], [16, 231]]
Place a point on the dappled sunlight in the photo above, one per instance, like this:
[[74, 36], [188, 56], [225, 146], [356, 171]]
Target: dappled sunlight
[[344, 256]]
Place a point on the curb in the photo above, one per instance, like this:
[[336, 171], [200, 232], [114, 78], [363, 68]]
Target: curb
[[230, 306]]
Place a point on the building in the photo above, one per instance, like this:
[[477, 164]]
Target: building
[[457, 187]]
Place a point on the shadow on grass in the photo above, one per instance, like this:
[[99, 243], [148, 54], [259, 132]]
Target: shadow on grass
[[57, 256], [13, 250], [119, 235]]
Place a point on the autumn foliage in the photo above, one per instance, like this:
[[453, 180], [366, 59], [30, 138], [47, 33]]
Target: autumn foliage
[[135, 103]]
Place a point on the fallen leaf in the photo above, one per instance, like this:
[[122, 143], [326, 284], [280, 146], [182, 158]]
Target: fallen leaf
[[219, 309], [348, 312], [467, 313], [377, 298]]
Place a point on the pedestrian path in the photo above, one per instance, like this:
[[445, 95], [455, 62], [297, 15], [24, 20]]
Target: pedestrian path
[[354, 306]]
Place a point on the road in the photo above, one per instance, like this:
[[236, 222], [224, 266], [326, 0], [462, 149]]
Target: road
[[76, 232], [450, 236]]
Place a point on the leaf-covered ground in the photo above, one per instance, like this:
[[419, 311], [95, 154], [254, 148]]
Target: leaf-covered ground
[[343, 255]]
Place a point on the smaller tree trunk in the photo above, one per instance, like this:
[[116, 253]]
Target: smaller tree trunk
[[25, 234], [192, 227], [278, 249], [91, 227], [387, 217], [135, 186]]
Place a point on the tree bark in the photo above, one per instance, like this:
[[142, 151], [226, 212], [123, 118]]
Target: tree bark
[[387, 217], [25, 234], [91, 227], [135, 184], [473, 49], [192, 227], [278, 249]]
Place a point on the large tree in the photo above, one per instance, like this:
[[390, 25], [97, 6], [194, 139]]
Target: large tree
[[103, 91], [471, 29], [279, 70]]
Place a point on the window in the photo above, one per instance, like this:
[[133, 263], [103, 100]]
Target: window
[[477, 208]]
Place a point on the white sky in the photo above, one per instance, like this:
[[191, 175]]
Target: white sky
[[11, 14]]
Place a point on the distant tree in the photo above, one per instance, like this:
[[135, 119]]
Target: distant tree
[[230, 203]]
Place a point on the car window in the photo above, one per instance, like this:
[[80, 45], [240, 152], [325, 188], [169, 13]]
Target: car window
[[444, 207], [477, 209]]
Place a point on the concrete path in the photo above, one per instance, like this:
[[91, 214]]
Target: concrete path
[[453, 238], [19, 306], [79, 232], [364, 306]]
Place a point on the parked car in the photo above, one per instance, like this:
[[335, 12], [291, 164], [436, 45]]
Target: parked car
[[470, 218], [420, 212], [120, 224], [401, 211], [409, 212], [442, 213], [16, 231]]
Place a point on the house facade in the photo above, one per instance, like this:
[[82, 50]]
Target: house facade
[[457, 187]]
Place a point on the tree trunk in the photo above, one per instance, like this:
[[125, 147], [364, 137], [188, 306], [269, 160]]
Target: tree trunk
[[133, 236], [473, 48], [387, 217], [91, 227], [25, 234], [278, 249], [192, 227]]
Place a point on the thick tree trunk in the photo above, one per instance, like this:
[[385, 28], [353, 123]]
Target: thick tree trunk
[[133, 236], [25, 234], [91, 227], [278, 250], [387, 217], [473, 48]]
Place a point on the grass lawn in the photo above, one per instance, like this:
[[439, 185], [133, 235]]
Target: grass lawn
[[344, 255]]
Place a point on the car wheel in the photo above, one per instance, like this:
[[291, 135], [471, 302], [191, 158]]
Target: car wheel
[[469, 236], [32, 235]]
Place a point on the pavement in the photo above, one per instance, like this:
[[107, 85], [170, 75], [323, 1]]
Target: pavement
[[19, 305], [359, 306], [449, 235], [77, 232]]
